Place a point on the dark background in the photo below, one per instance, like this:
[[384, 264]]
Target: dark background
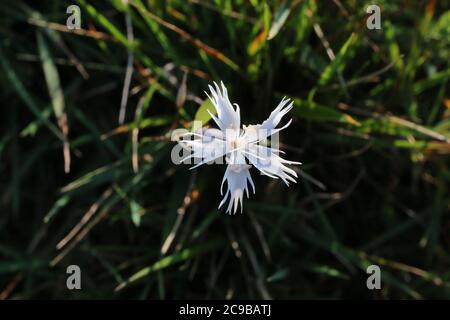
[[371, 127]]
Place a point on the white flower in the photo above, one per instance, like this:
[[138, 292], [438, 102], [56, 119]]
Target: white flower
[[239, 146]]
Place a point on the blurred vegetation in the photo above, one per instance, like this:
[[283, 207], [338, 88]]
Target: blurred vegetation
[[80, 186]]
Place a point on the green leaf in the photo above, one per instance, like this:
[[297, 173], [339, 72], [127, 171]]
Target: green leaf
[[102, 20], [433, 80], [324, 269], [279, 275], [339, 62], [280, 18], [136, 210], [260, 39], [107, 173], [24, 94], [394, 49], [32, 264], [266, 17], [316, 112], [168, 261], [57, 206], [202, 114], [51, 76]]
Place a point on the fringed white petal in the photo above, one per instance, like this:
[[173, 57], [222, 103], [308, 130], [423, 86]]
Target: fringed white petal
[[210, 146], [237, 178], [227, 116], [270, 163], [259, 132]]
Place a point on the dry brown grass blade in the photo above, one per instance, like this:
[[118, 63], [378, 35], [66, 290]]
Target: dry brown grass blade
[[135, 137], [62, 45], [62, 123], [180, 215], [85, 219], [216, 54], [260, 279], [135, 151], [182, 92], [79, 32], [406, 268], [128, 72], [56, 94], [80, 236], [397, 120], [11, 286], [260, 233]]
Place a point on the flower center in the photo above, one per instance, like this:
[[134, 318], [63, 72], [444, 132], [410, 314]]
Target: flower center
[[237, 143]]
